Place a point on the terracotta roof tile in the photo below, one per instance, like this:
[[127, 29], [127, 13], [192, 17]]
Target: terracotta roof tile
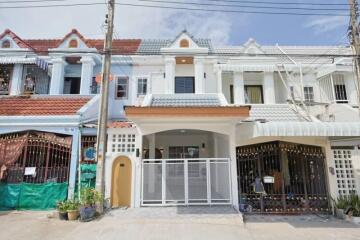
[[121, 124], [37, 106]]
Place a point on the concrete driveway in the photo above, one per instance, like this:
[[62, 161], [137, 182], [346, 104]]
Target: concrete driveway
[[175, 223]]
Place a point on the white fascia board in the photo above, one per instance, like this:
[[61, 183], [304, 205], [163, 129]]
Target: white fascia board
[[73, 50], [185, 51], [56, 121], [307, 129]]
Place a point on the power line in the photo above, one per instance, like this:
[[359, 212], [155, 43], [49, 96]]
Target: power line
[[245, 6], [179, 8], [281, 3], [233, 11], [232, 1]]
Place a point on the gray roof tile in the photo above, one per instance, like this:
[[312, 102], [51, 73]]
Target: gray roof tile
[[278, 112], [186, 100], [153, 46]]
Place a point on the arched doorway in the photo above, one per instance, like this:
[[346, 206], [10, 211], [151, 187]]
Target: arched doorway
[[121, 182]]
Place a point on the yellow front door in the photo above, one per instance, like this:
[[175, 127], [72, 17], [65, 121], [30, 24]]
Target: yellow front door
[[121, 182]]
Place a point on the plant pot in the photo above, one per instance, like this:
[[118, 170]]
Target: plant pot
[[353, 219], [340, 213], [73, 214], [63, 215], [87, 213]]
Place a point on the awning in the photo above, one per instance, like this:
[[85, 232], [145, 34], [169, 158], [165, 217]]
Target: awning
[[12, 60], [298, 129]]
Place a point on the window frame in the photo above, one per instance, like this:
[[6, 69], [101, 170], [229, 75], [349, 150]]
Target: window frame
[[184, 77], [126, 90], [141, 78], [6, 41], [255, 86], [307, 93]]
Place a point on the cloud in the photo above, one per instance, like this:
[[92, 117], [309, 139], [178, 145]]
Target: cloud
[[164, 23], [326, 24], [130, 22]]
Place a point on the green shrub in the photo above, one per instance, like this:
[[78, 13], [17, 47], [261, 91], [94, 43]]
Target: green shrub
[[342, 202], [89, 196]]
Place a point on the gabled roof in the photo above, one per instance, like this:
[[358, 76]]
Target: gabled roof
[[41, 106], [42, 46], [21, 43], [76, 32]]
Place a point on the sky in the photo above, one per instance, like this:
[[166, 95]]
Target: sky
[[139, 22]]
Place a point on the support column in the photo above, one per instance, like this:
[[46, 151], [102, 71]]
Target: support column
[[87, 71], [57, 76], [199, 74], [269, 88], [219, 80], [151, 139], [239, 94], [233, 168], [73, 163], [16, 80], [170, 64]]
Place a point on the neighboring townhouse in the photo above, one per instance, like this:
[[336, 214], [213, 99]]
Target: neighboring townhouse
[[263, 128]]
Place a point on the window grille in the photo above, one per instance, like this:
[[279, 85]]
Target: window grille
[[309, 94], [344, 171], [124, 143]]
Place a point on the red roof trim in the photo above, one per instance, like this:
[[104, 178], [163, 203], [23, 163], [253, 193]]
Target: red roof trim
[[77, 33], [21, 43], [42, 46], [41, 106]]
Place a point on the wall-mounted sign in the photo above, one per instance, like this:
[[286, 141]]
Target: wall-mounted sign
[[30, 171], [268, 179], [89, 154]]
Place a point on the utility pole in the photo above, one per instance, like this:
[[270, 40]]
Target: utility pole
[[355, 42], [101, 141]]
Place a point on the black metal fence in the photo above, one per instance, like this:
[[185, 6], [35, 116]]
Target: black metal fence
[[282, 177]]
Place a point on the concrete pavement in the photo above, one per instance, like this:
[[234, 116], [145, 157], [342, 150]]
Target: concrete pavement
[[174, 223]]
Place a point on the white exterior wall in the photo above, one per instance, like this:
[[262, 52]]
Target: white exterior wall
[[135, 164]]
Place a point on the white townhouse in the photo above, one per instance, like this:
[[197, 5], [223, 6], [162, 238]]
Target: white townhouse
[[189, 123]]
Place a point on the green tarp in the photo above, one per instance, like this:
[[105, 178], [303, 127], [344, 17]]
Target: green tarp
[[32, 196]]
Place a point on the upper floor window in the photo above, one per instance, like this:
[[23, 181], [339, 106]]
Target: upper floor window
[[122, 85], [73, 43], [5, 77], [142, 86], [6, 44], [184, 43], [184, 85], [309, 94], [253, 94]]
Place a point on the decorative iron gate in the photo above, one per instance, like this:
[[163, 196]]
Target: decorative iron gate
[[291, 178], [47, 155]]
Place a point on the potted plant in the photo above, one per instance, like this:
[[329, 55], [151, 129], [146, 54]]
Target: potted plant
[[61, 206], [88, 197], [73, 209], [341, 206], [354, 211]]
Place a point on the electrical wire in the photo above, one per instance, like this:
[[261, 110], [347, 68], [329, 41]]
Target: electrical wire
[[179, 8], [232, 1], [244, 6]]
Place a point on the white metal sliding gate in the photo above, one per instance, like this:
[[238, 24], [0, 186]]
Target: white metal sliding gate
[[200, 181]]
